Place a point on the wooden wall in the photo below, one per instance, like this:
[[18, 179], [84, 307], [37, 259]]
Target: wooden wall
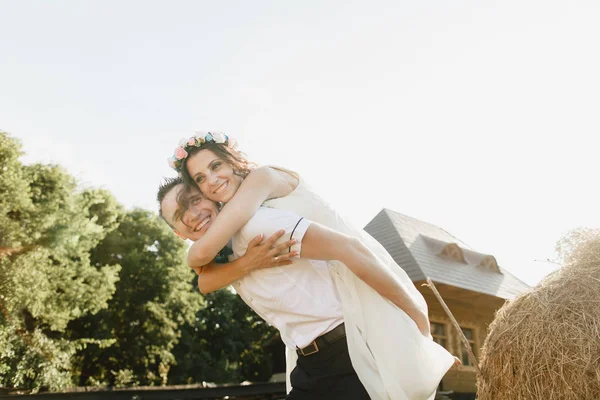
[[471, 310]]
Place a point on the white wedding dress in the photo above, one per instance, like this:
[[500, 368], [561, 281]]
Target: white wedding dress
[[393, 360]]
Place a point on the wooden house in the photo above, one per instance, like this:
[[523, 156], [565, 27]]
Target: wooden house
[[472, 284]]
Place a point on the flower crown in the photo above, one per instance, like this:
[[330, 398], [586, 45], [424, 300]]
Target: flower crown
[[200, 138]]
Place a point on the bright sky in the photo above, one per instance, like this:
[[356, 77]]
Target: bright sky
[[480, 117]]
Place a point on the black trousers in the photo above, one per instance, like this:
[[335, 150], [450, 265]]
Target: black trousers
[[327, 375]]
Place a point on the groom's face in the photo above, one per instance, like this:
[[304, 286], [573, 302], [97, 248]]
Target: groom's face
[[191, 223]]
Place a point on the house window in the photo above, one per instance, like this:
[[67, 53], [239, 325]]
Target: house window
[[490, 263], [452, 251], [469, 334], [440, 336]]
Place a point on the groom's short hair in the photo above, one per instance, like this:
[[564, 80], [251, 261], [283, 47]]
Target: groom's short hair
[[165, 187]]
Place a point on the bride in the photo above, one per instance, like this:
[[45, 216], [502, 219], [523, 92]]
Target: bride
[[390, 344]]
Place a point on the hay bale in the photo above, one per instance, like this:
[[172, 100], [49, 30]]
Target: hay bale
[[545, 344]]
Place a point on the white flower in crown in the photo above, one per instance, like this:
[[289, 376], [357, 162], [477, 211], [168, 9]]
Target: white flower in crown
[[218, 137], [199, 137], [171, 161], [183, 142]]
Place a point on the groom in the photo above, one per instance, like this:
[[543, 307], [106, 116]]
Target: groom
[[300, 300]]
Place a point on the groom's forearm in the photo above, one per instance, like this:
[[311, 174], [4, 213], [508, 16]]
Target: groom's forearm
[[215, 276]]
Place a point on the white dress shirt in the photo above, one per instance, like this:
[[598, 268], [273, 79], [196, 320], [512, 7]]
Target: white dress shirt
[[300, 300]]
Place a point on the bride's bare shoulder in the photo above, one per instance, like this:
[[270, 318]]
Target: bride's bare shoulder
[[286, 174], [286, 180]]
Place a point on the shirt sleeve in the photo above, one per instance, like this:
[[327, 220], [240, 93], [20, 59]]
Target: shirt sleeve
[[267, 221]]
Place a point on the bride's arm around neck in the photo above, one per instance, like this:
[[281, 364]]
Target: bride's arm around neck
[[260, 185]]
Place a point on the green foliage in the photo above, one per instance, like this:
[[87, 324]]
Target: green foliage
[[224, 344], [125, 377], [15, 201], [153, 299], [48, 230]]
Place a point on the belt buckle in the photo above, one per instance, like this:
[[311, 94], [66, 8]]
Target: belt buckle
[[315, 349]]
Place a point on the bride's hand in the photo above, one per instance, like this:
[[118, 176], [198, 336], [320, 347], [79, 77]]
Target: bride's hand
[[457, 362], [266, 254]]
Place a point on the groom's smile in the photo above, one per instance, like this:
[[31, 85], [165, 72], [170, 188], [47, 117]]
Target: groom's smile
[[204, 222]]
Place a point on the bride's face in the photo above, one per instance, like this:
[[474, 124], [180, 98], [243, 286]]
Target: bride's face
[[213, 175]]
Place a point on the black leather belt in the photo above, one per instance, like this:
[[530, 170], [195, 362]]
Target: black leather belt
[[323, 341]]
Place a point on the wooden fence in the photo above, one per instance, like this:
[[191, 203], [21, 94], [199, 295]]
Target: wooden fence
[[257, 391]]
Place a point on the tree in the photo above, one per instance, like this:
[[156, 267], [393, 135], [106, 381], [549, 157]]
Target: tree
[[225, 343], [48, 230], [154, 298], [15, 201]]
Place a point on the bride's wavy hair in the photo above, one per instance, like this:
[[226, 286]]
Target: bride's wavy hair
[[235, 158]]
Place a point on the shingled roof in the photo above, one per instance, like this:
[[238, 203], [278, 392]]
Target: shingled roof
[[417, 247]]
